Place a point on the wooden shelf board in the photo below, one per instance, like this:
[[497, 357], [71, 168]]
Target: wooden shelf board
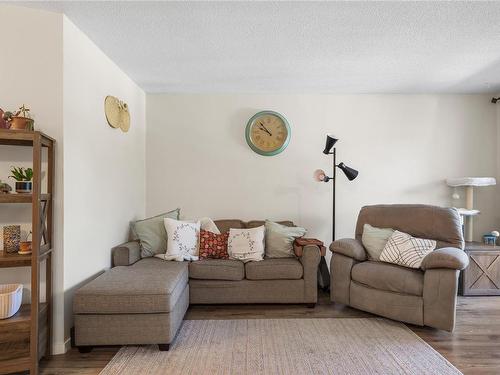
[[22, 137], [21, 198], [14, 260], [15, 365], [23, 315]]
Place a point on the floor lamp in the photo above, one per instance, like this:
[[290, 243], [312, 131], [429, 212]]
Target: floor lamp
[[321, 176]]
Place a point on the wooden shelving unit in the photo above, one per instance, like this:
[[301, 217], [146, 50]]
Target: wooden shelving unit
[[26, 337]]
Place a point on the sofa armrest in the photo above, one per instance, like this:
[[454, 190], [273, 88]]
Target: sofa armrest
[[126, 254], [446, 257], [350, 248], [311, 255]]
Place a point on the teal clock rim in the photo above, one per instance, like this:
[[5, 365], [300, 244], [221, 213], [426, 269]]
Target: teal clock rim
[[268, 153]]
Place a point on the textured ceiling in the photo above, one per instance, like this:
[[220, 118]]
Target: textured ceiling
[[300, 47]]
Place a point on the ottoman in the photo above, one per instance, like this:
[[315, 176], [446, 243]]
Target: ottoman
[[143, 303]]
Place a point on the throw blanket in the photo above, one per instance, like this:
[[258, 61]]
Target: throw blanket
[[299, 243]]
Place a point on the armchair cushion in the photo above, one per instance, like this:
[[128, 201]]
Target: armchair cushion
[[446, 257], [389, 277], [349, 247]]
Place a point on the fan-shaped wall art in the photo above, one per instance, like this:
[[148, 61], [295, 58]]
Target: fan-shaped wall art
[[117, 113]]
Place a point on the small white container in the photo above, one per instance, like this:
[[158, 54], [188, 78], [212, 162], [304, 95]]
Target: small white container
[[11, 296]]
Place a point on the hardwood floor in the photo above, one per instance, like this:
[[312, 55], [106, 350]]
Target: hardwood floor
[[474, 346]]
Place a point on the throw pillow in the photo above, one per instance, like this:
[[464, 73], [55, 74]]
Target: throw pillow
[[374, 240], [208, 224], [246, 244], [405, 250], [213, 245], [151, 233], [182, 240], [279, 239]]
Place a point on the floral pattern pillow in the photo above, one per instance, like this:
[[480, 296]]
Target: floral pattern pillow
[[182, 240], [246, 244], [213, 245]]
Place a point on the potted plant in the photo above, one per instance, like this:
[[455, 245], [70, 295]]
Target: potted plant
[[19, 120], [23, 178]]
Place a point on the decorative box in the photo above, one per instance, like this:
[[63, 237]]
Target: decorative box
[[11, 296]]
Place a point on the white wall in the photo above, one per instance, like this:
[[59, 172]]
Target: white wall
[[100, 174], [403, 145], [30, 73], [104, 175]]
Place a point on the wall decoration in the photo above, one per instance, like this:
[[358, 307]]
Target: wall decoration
[[117, 113], [11, 238], [268, 133]]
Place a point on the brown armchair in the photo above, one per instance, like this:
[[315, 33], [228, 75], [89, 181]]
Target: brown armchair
[[425, 296]]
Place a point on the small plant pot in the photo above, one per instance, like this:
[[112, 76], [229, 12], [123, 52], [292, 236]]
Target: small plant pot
[[24, 247], [21, 123], [24, 187]]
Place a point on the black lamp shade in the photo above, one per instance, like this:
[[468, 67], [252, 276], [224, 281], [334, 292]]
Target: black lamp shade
[[350, 173], [330, 142]]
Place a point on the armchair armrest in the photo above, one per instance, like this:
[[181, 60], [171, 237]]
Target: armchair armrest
[[446, 257], [126, 254], [350, 248]]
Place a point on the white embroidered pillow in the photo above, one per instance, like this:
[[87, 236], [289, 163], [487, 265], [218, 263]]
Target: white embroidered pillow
[[246, 244], [182, 240], [405, 250]]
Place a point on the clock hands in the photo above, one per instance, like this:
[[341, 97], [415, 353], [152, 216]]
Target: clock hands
[[265, 129]]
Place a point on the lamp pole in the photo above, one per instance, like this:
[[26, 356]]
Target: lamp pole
[[333, 201]]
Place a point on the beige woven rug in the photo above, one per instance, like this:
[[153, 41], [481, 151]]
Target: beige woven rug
[[286, 346]]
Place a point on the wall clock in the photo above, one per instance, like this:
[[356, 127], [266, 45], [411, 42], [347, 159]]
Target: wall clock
[[268, 133]]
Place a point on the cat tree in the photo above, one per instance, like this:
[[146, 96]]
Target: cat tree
[[469, 212]]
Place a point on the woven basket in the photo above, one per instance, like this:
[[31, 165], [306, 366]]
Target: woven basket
[[11, 296]]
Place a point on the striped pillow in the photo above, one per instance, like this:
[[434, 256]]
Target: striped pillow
[[405, 250]]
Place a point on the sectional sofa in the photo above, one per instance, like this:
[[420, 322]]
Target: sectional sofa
[[143, 301]]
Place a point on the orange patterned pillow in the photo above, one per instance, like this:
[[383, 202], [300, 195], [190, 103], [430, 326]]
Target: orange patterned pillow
[[213, 246]]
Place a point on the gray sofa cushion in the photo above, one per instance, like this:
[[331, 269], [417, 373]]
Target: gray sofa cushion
[[274, 269], [217, 269], [149, 286], [389, 277], [225, 225]]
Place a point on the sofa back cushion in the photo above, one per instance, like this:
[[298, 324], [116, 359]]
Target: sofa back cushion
[[432, 222], [225, 225], [259, 223]]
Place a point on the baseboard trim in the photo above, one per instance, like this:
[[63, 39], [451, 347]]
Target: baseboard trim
[[61, 347]]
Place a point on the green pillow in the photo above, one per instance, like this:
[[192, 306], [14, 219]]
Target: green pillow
[[279, 239], [151, 233], [374, 240]]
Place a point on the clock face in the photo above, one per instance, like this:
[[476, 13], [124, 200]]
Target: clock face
[[268, 133]]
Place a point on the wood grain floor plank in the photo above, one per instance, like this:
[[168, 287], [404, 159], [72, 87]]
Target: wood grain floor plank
[[473, 347]]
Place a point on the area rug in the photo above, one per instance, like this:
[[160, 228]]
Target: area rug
[[286, 346]]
